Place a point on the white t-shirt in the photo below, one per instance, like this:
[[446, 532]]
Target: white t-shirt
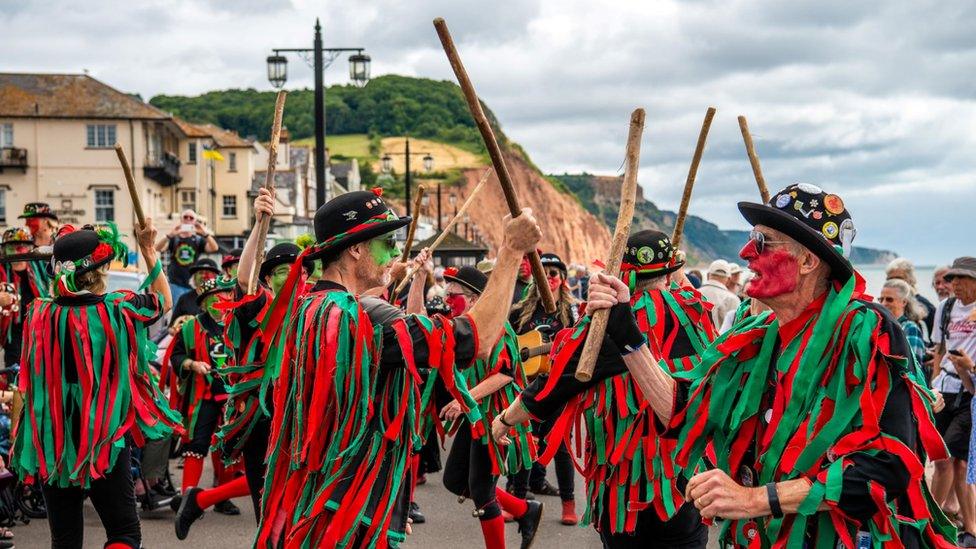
[[722, 300], [961, 335]]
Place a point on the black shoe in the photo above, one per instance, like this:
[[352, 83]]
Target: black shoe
[[528, 524], [152, 501], [162, 489], [189, 512], [227, 507], [967, 540], [545, 490], [415, 515], [174, 503]]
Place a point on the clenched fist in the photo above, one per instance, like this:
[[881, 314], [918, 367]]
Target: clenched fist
[[522, 233]]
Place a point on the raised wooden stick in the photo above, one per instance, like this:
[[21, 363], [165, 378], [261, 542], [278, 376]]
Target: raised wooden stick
[[628, 197], [447, 229], [679, 223], [131, 184], [412, 228], [494, 151], [754, 160], [264, 221]]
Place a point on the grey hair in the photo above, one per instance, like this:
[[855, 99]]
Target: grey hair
[[902, 264], [913, 309], [650, 283]]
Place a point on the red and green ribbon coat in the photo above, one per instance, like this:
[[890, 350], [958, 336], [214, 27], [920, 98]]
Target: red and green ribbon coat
[[187, 389], [341, 431], [832, 381], [245, 382], [73, 431], [628, 467], [504, 358]]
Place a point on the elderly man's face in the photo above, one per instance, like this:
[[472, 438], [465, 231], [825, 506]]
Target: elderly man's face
[[943, 288], [964, 288], [776, 269]]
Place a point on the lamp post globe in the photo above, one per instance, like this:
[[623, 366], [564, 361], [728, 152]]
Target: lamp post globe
[[428, 162], [387, 163], [277, 70], [359, 68]]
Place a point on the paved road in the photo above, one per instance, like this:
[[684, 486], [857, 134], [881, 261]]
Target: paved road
[[449, 525]]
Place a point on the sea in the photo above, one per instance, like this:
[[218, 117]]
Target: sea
[[874, 275]]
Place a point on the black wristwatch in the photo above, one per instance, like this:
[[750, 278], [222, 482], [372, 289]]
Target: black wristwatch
[[774, 507], [501, 418]]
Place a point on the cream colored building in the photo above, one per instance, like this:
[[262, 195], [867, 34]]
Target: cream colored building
[[57, 133]]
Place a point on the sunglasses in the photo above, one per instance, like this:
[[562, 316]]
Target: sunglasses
[[553, 273], [761, 242], [189, 218], [886, 299]]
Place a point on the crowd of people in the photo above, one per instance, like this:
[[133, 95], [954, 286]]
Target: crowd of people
[[772, 397]]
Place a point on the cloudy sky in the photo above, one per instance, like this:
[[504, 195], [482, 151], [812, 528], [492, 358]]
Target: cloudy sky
[[872, 100]]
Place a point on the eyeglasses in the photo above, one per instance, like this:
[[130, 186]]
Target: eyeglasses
[[553, 273], [189, 218], [886, 299], [761, 242]]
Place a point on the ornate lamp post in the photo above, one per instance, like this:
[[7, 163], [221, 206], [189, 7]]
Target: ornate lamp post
[[358, 73], [387, 166]]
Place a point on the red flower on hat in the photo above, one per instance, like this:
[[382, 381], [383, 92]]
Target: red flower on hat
[[65, 229], [451, 271], [378, 191], [101, 252]]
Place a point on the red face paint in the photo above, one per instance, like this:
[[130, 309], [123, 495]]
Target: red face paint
[[525, 270], [457, 303], [777, 271], [554, 283], [33, 225]]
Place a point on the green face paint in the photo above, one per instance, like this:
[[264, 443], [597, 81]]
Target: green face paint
[[278, 277], [384, 249], [210, 301], [232, 271]]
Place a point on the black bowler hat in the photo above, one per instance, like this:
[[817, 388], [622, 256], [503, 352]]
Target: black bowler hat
[[80, 251], [204, 264], [213, 286], [233, 257], [281, 254], [817, 220], [352, 218], [467, 276], [37, 209], [650, 254], [552, 260]]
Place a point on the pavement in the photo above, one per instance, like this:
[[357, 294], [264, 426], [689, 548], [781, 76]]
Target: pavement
[[449, 524]]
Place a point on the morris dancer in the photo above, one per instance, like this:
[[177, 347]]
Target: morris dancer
[[473, 466], [43, 226], [88, 386], [634, 488], [230, 262], [819, 427], [22, 284], [347, 407]]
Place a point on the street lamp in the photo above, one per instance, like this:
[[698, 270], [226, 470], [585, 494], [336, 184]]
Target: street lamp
[[387, 166], [358, 73]]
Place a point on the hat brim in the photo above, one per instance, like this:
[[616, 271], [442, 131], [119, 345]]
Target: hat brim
[[226, 264], [660, 272], [44, 215], [194, 270], [953, 273], [464, 283], [360, 236], [201, 297], [761, 214], [269, 264], [98, 264]]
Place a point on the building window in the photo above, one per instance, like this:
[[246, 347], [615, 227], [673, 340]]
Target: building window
[[6, 135], [230, 205], [101, 136], [3, 206], [232, 163], [188, 200], [104, 205], [192, 156]]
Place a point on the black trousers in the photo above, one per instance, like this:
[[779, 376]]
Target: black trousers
[[254, 453], [208, 417], [684, 531], [468, 472], [113, 497], [524, 481]]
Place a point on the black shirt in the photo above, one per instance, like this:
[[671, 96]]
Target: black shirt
[[13, 344], [183, 253], [186, 305], [215, 351]]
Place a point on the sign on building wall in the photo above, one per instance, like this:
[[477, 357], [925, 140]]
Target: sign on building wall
[[65, 208]]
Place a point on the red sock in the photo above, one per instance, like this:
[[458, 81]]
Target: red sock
[[192, 469], [515, 506], [117, 545], [234, 489], [494, 532]]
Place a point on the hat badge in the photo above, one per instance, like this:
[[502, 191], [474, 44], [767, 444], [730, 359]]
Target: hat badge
[[350, 215]]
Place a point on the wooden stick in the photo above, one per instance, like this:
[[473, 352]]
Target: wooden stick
[[412, 228], [447, 229], [494, 151], [754, 160], [679, 223], [628, 198], [131, 183], [264, 221]]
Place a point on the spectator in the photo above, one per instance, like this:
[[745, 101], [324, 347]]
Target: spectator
[[185, 244], [734, 282], [439, 289], [716, 292], [942, 287], [955, 334], [574, 282], [903, 269], [896, 296], [695, 277]]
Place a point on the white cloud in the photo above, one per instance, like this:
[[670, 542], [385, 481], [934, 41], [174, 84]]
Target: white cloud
[[872, 100]]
